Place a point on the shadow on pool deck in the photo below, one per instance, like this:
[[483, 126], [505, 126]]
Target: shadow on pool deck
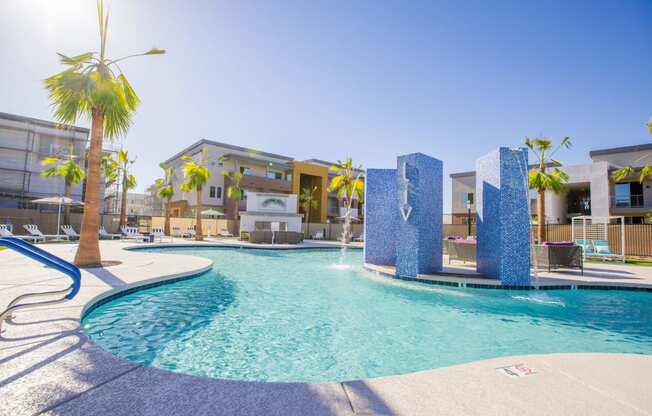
[[106, 276], [65, 373]]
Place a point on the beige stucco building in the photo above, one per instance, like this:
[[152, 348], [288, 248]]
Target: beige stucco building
[[590, 189]]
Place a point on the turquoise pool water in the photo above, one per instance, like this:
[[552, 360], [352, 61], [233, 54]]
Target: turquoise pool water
[[318, 316]]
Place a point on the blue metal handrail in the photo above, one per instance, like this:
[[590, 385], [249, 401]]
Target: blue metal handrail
[[44, 257]]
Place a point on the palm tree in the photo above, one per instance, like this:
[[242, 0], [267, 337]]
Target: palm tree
[[116, 170], [234, 191], [628, 171], [64, 166], [348, 185], [93, 86], [543, 181], [165, 190], [196, 175], [307, 201]]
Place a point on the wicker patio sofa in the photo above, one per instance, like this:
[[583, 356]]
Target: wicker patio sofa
[[561, 255], [460, 249], [278, 237]]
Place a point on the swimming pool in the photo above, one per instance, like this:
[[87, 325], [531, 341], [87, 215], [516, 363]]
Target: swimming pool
[[317, 315]]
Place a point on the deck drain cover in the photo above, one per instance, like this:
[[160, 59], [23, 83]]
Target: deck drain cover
[[516, 370]]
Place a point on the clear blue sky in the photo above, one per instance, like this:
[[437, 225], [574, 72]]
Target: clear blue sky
[[367, 79]]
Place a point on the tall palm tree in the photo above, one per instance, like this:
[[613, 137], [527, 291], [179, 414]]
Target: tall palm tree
[[348, 185], [165, 190], [93, 86], [196, 175], [542, 180], [234, 191], [116, 170], [307, 201], [628, 171], [64, 166]]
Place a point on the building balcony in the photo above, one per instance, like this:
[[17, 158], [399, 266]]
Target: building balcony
[[264, 184], [629, 201]]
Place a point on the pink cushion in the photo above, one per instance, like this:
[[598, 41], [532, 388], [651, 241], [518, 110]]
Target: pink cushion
[[558, 243]]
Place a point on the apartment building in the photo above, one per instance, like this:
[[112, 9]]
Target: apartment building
[[153, 205], [263, 172], [590, 189], [147, 204], [24, 143]]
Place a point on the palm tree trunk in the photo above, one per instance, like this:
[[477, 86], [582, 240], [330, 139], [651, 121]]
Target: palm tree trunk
[[166, 227], [308, 223], [541, 217], [237, 221], [66, 209], [198, 228], [88, 252], [123, 202]]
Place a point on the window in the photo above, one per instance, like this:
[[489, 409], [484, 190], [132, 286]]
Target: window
[[212, 192], [219, 192], [622, 197], [245, 171], [466, 197], [274, 175]]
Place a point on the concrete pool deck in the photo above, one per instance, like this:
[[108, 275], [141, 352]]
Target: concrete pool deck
[[49, 366], [602, 275]]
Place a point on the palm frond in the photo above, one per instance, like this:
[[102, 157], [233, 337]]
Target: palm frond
[[622, 173], [646, 173]]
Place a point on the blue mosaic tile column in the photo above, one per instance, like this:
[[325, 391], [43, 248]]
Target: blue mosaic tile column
[[503, 250], [419, 231], [381, 217]]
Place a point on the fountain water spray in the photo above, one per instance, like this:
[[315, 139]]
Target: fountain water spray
[[533, 256]]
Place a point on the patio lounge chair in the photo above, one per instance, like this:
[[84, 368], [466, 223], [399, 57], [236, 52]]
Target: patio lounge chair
[[190, 232], [33, 230], [319, 235], [158, 233], [5, 231], [586, 245], [132, 232], [69, 231], [224, 233], [105, 234], [359, 238], [601, 250]]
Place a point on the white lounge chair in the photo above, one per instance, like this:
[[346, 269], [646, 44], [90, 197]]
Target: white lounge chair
[[359, 238], [224, 233], [33, 230], [132, 232], [158, 233], [69, 231], [319, 235], [601, 251], [5, 231], [190, 232], [105, 234], [176, 232]]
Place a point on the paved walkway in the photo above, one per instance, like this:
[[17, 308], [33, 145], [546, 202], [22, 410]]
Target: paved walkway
[[48, 366]]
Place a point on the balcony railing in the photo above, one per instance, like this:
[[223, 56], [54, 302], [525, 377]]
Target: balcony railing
[[265, 184], [631, 201]]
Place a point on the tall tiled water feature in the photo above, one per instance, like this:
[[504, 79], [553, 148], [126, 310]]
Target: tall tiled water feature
[[503, 250], [404, 213]]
